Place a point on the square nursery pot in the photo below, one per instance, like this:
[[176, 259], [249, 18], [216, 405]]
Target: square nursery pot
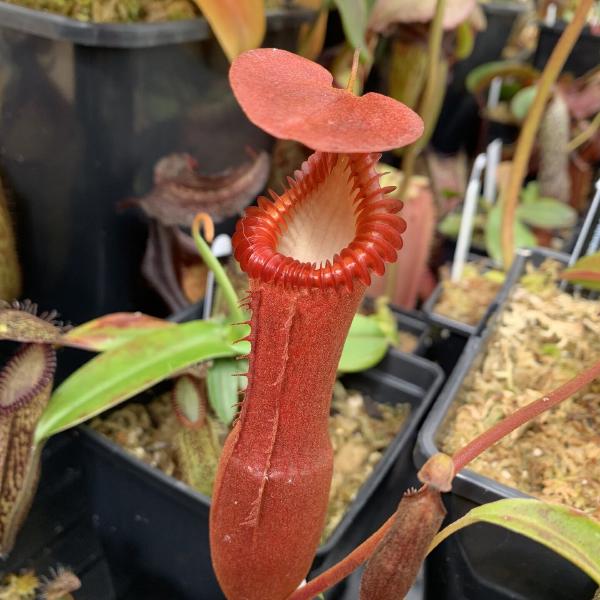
[[87, 110], [58, 530], [584, 57], [441, 321], [440, 346], [414, 323], [459, 122], [154, 529], [485, 561]]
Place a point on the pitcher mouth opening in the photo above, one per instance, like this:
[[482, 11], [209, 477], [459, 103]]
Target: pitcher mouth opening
[[25, 375], [333, 226]]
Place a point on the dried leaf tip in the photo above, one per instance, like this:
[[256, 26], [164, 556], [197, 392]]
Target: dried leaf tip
[[293, 98], [438, 472], [353, 71]]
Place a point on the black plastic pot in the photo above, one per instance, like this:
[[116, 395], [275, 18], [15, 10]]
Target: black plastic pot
[[58, 530], [485, 561], [584, 57], [459, 120], [87, 110], [464, 329], [154, 529]]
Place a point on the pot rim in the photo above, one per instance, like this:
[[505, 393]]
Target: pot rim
[[126, 35]]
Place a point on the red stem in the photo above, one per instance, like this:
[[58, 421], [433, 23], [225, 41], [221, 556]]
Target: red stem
[[488, 438], [341, 570], [461, 458]]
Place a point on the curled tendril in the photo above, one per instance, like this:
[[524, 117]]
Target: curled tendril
[[204, 224]]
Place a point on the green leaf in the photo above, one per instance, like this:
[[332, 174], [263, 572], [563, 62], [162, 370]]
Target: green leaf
[[385, 319], [223, 384], [585, 272], [465, 40], [530, 193], [522, 100], [110, 331], [568, 532], [547, 213], [524, 238], [365, 345], [354, 17], [450, 225], [480, 77], [132, 367]]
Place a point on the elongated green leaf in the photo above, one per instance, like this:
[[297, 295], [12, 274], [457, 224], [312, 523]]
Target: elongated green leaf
[[354, 21], [568, 532], [365, 345], [547, 213], [465, 40], [524, 238], [585, 272], [110, 331], [223, 384], [134, 366]]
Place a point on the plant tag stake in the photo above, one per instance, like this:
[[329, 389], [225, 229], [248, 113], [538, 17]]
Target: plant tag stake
[[550, 18], [595, 241], [592, 212], [466, 224], [493, 155], [494, 93], [221, 247]]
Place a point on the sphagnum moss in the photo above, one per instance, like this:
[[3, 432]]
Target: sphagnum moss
[[541, 340]]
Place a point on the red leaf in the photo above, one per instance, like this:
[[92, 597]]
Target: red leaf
[[585, 272], [111, 330], [291, 97]]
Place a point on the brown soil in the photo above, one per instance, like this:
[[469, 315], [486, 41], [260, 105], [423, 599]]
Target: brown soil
[[543, 338], [407, 342], [360, 429], [467, 300]]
